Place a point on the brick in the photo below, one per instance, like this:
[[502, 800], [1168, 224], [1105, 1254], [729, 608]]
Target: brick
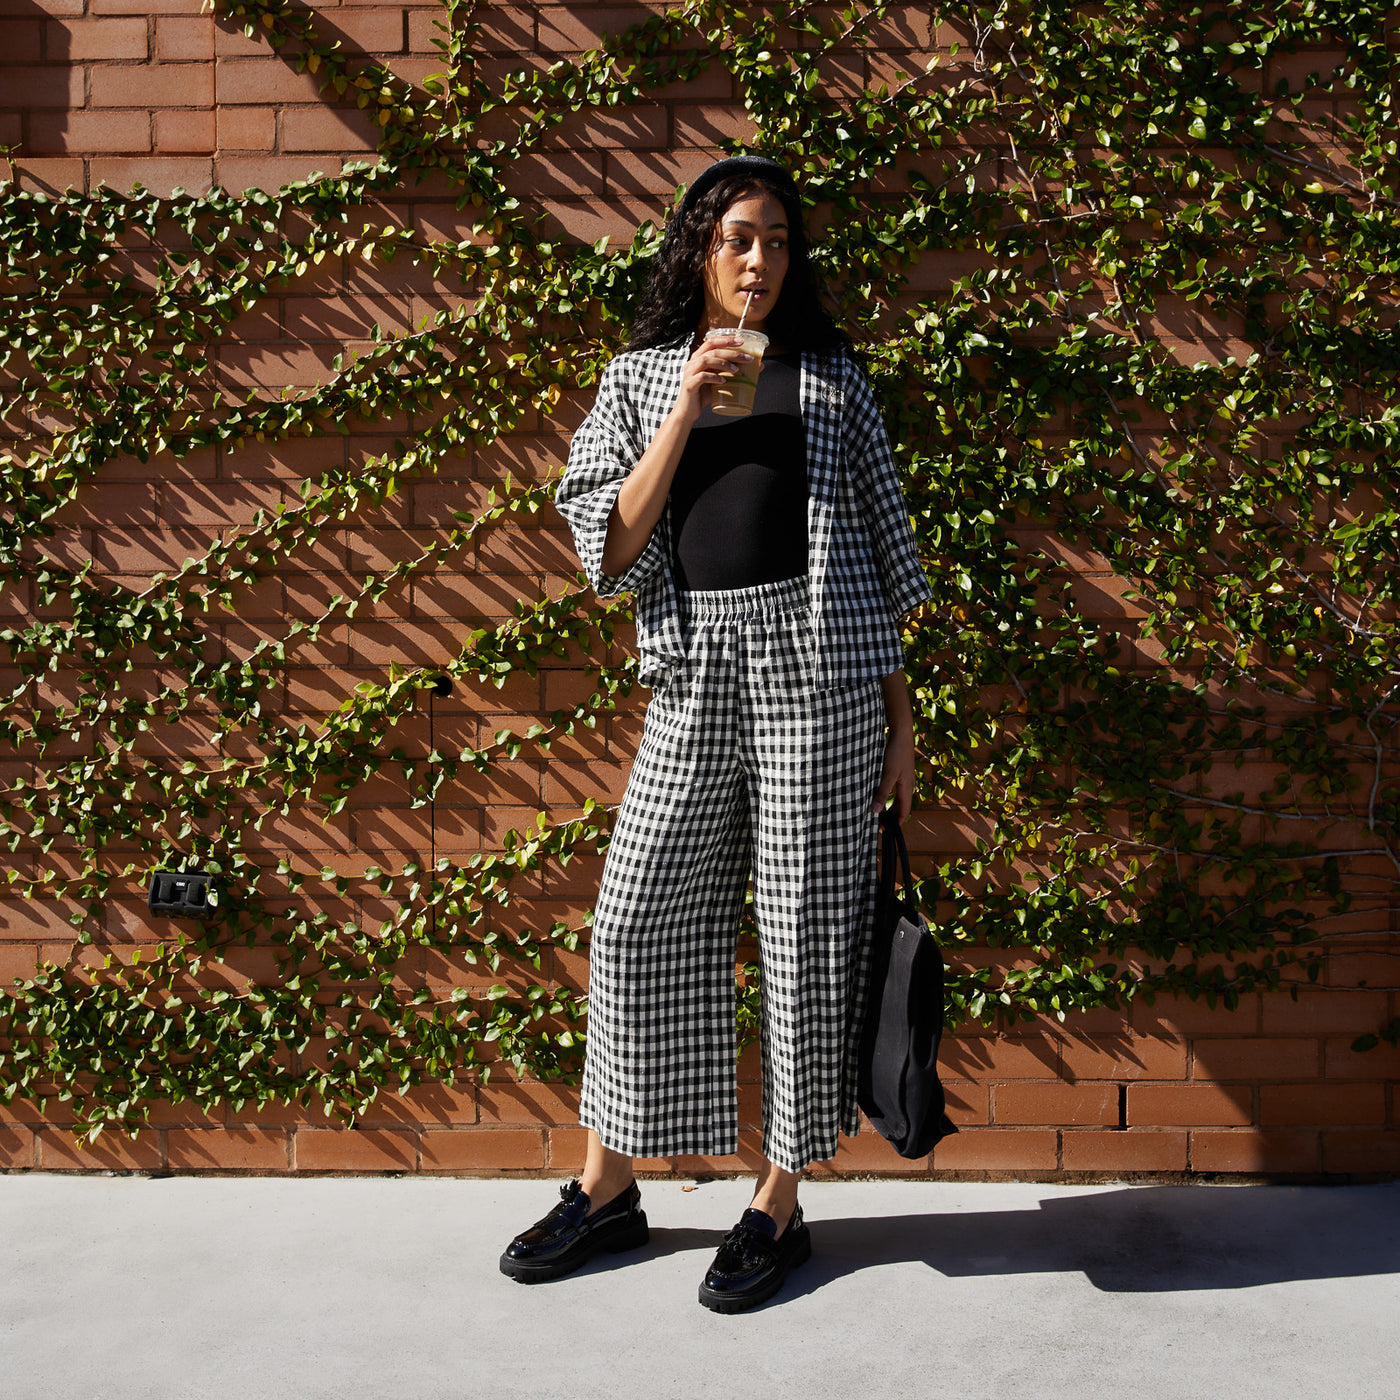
[[18, 963], [142, 7], [219, 504], [357, 1150], [868, 1152], [561, 175], [968, 1103], [633, 129], [1362, 1152], [749, 1158], [476, 596], [146, 552], [159, 174], [23, 43], [264, 81], [185, 132], [572, 784], [566, 1149], [1341, 1009], [50, 1110], [1260, 1058], [510, 549], [1001, 1057], [655, 175], [38, 88], [707, 124], [1342, 1062], [502, 1101], [281, 364], [1123, 1057], [1186, 1105], [1054, 1103], [1360, 968], [245, 129], [184, 37], [344, 318], [573, 28], [77, 39], [1172, 1015], [1321, 1105], [1245, 1150], [17, 1148], [420, 643], [29, 919], [433, 1103], [714, 84], [483, 1149], [1146, 1151], [377, 30], [90, 132], [58, 1151], [152, 86], [328, 129], [998, 1149], [427, 29], [504, 30], [228, 1149]]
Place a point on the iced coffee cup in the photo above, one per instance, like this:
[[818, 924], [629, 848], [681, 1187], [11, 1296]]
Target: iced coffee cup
[[734, 398]]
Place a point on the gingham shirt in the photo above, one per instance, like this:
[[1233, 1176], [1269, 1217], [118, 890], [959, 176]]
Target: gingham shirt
[[863, 566]]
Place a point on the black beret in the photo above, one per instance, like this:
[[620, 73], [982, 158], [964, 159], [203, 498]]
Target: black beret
[[753, 166]]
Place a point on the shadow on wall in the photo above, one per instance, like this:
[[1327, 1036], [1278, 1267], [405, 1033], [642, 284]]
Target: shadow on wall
[[38, 87], [1156, 1239]]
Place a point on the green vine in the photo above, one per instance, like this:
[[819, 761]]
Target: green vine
[[1127, 282]]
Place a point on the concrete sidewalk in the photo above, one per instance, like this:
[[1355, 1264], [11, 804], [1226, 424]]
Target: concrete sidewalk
[[189, 1288]]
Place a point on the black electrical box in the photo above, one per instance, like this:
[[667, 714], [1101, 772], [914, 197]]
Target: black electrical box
[[189, 893]]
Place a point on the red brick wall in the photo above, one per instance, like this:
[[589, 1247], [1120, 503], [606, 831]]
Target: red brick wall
[[117, 91]]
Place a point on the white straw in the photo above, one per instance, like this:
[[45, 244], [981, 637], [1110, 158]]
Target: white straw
[[748, 301]]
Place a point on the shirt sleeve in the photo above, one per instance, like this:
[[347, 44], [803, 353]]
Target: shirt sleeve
[[870, 463], [602, 454]]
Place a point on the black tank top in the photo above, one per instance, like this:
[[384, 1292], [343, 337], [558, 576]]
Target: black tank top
[[739, 496]]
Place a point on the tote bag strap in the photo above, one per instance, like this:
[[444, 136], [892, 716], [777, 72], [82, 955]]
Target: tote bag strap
[[894, 862]]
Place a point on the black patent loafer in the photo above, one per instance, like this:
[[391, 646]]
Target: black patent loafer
[[751, 1265], [569, 1237]]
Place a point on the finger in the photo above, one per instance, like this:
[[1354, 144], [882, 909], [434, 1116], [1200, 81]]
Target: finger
[[882, 793]]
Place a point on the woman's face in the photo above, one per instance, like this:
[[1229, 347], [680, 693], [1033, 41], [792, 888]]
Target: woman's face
[[749, 253]]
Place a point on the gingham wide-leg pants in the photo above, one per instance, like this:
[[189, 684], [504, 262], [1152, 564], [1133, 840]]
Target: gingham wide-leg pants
[[743, 764]]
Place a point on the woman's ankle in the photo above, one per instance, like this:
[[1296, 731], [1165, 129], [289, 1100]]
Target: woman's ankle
[[602, 1191], [778, 1208], [606, 1174]]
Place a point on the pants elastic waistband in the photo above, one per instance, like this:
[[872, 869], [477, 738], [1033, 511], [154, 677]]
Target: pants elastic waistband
[[786, 595]]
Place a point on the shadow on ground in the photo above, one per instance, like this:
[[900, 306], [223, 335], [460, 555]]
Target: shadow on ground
[[1143, 1240]]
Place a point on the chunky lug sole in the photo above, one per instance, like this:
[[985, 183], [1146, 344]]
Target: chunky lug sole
[[632, 1236], [741, 1302]]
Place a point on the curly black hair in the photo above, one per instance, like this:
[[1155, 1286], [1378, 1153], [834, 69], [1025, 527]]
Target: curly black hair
[[672, 303]]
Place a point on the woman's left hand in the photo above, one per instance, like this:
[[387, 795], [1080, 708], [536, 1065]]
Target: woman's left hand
[[897, 779]]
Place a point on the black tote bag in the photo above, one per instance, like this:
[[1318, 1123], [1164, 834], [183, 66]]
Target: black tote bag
[[898, 1085]]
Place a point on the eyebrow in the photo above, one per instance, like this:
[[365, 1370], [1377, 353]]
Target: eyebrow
[[744, 223]]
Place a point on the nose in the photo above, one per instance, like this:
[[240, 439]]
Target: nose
[[758, 256]]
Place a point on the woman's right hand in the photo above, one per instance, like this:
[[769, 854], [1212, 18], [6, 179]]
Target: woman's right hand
[[708, 366], [642, 496]]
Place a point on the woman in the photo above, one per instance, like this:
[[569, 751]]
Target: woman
[[771, 557]]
